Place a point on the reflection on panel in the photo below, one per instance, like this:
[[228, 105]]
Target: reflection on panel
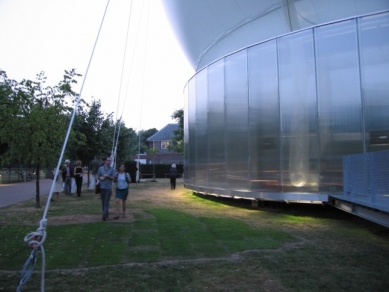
[[299, 135], [374, 56], [236, 98], [277, 118], [201, 128], [264, 117], [191, 112], [339, 98], [216, 125], [186, 132]]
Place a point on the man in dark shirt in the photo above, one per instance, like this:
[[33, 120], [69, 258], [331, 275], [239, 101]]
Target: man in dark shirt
[[106, 175], [93, 168]]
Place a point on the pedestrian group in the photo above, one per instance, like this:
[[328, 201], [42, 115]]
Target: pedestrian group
[[103, 176]]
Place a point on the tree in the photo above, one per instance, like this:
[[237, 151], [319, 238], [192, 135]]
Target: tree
[[127, 144], [144, 135], [177, 144], [35, 124], [8, 108], [92, 133]]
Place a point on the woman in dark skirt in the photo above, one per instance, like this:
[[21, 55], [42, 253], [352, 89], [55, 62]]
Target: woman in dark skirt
[[78, 176], [122, 182]]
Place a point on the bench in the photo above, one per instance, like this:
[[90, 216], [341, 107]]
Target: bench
[[178, 175], [142, 175]]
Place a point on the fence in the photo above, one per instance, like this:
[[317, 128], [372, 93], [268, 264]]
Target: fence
[[14, 175]]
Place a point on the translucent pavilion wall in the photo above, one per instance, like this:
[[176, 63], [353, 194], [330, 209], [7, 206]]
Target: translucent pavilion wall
[[277, 117]]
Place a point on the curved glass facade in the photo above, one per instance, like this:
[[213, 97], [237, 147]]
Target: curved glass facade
[[273, 120]]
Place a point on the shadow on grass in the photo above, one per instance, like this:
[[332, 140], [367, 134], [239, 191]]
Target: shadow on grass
[[318, 211], [171, 247]]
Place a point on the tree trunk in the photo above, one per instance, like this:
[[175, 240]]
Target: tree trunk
[[37, 198]]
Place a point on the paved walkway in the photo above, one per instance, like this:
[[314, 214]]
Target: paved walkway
[[17, 192]]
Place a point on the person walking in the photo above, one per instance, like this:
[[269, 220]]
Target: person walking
[[173, 177], [106, 175], [122, 180], [93, 168], [78, 174], [67, 175]]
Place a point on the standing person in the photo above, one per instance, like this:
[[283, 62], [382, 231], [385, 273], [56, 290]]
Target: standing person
[[106, 174], [58, 184], [173, 176], [67, 175], [122, 180], [78, 174], [93, 168]]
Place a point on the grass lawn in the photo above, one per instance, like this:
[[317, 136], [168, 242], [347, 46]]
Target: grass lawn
[[178, 241]]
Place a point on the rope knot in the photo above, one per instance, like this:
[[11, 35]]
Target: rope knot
[[36, 239]]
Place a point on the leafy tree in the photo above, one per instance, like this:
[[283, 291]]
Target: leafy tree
[[127, 144], [92, 133], [35, 123], [144, 135], [177, 144], [8, 108]]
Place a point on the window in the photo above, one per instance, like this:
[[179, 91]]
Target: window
[[164, 144]]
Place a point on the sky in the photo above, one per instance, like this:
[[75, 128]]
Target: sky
[[142, 82]]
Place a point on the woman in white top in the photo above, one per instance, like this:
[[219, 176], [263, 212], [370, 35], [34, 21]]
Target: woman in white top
[[122, 180]]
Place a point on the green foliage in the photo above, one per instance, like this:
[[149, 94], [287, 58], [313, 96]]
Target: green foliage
[[34, 125], [144, 135], [177, 144], [152, 151], [93, 133], [127, 144]]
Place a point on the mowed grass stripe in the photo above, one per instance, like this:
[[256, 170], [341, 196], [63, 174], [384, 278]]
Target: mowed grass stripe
[[169, 234], [185, 235]]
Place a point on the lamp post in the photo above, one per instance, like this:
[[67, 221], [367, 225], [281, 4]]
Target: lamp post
[[153, 152]]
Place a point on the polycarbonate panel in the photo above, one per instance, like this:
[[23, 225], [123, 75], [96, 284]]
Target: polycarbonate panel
[[216, 126], [236, 99], [276, 119], [339, 98], [186, 131], [299, 133], [201, 128], [264, 117], [191, 112], [374, 58], [248, 34]]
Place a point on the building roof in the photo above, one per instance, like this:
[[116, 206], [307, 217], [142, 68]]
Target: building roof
[[165, 134], [210, 29]]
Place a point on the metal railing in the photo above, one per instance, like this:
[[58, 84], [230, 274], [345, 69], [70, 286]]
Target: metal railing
[[366, 179]]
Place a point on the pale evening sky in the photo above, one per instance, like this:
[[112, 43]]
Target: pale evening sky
[[54, 35]]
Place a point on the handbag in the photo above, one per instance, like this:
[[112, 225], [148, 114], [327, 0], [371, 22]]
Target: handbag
[[97, 189]]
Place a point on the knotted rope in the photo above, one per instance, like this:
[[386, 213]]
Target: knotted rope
[[37, 238]]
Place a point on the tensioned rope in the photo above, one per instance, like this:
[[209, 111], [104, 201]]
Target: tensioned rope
[[114, 143], [37, 238], [128, 81], [133, 55], [143, 85]]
